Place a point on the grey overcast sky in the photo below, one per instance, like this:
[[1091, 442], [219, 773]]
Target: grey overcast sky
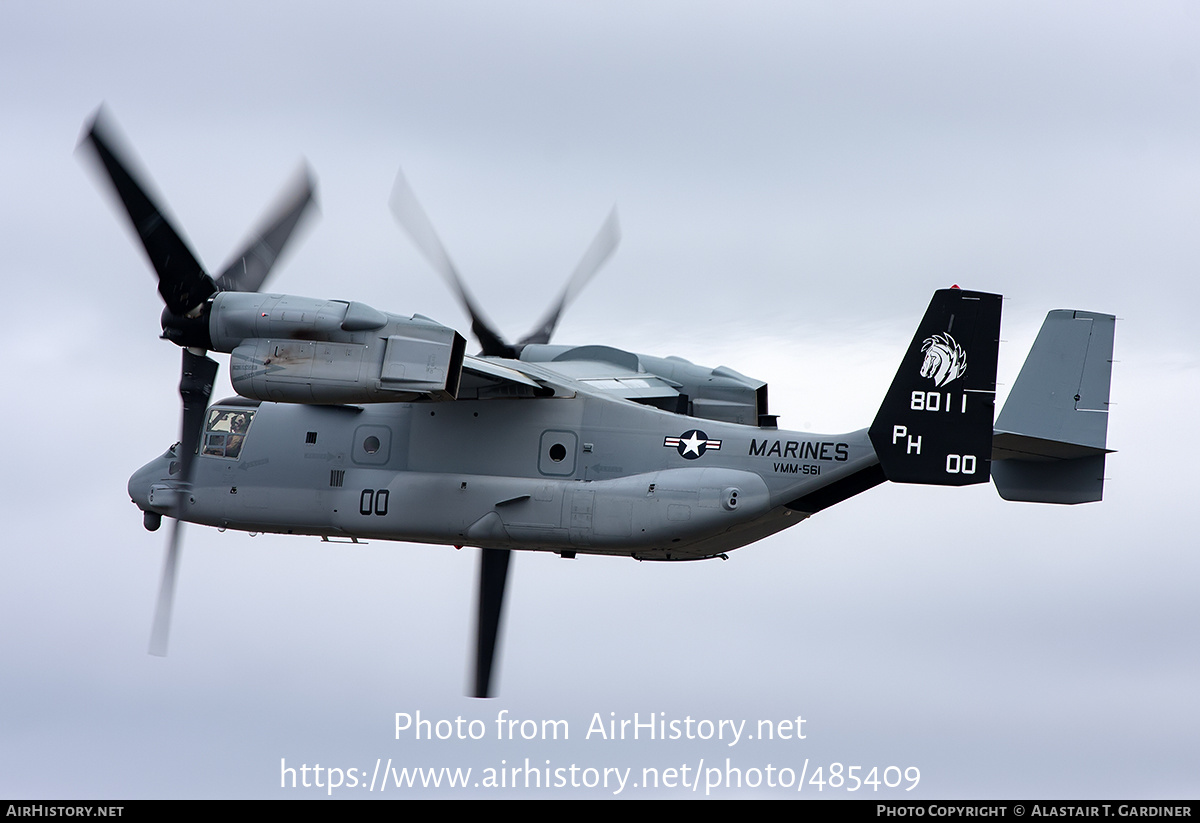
[[794, 180]]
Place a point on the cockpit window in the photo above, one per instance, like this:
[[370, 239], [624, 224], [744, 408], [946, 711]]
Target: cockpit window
[[226, 431]]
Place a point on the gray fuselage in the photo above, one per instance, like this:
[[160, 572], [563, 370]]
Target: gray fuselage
[[580, 471]]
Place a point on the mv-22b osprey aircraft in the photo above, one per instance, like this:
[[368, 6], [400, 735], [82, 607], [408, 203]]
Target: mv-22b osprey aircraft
[[355, 423]]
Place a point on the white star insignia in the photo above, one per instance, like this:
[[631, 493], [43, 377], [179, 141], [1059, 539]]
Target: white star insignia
[[693, 444]]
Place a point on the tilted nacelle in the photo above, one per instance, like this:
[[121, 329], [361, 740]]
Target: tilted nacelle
[[669, 383], [303, 350]]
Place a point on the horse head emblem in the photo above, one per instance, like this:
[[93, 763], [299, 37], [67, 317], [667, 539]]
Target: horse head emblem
[[945, 360]]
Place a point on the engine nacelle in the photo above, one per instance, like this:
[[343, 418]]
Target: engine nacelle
[[302, 350], [234, 317], [698, 391]]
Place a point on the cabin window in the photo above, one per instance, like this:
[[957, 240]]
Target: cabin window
[[371, 445]]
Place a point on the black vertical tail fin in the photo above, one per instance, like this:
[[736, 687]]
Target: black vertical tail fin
[[935, 424]]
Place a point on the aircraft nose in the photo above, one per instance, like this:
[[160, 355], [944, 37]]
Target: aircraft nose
[[158, 471]]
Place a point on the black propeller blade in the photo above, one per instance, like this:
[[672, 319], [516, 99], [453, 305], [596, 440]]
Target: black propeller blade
[[197, 373], [161, 629], [493, 576], [182, 281], [493, 563], [250, 267], [412, 218], [185, 286], [597, 254]]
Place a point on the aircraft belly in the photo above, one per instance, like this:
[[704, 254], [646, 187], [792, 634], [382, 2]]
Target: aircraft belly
[[288, 508], [643, 512], [743, 534], [259, 508]]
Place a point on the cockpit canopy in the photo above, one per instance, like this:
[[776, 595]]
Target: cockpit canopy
[[225, 431]]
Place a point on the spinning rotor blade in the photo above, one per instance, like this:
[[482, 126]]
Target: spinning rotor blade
[[161, 630], [597, 254], [197, 374], [493, 576], [185, 286], [196, 377], [182, 281], [250, 267], [415, 222]]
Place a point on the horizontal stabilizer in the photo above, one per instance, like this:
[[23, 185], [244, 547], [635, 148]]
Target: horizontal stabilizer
[[1050, 440]]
